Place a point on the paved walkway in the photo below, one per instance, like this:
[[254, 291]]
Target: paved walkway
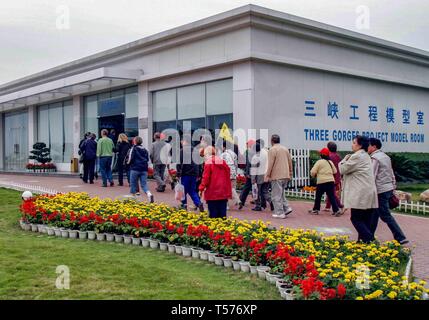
[[416, 228]]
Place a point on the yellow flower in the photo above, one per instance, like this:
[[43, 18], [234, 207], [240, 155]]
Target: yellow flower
[[392, 294]]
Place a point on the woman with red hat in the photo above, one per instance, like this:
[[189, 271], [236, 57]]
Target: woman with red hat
[[325, 170]]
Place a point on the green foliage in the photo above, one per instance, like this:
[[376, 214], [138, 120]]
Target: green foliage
[[40, 153]]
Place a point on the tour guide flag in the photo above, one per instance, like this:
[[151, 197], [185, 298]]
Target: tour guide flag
[[225, 133]]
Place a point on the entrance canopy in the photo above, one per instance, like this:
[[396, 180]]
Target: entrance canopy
[[94, 80]]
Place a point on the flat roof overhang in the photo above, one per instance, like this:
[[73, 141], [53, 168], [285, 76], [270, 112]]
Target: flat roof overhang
[[83, 83]]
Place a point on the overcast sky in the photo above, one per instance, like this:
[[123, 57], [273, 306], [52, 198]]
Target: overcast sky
[[34, 36]]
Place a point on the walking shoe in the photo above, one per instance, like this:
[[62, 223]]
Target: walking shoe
[[275, 215], [257, 209], [151, 199], [137, 193], [339, 213], [240, 206], [91, 182], [289, 210], [271, 206], [313, 212], [405, 241], [201, 207], [112, 184], [282, 216], [104, 185]]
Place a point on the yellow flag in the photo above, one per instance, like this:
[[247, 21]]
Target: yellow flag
[[225, 133]]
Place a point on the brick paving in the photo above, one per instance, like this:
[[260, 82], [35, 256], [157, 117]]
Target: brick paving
[[415, 228]]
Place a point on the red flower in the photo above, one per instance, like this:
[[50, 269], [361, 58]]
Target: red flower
[[341, 289]]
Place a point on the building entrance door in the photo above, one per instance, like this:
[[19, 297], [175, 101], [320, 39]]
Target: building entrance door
[[113, 124], [16, 141]]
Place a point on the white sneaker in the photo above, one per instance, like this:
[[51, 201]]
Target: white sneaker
[[289, 210], [275, 215], [282, 216]]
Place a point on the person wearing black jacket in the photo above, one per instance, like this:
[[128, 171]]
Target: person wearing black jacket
[[188, 171], [88, 149], [122, 147], [138, 161]]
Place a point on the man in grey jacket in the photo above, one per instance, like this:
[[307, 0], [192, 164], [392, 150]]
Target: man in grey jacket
[[385, 182], [158, 155]]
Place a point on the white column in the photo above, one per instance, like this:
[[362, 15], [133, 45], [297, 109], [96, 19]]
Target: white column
[[243, 100], [77, 124], [1, 141], [32, 127], [144, 106]]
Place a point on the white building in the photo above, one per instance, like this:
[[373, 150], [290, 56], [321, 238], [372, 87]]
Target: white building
[[251, 68]]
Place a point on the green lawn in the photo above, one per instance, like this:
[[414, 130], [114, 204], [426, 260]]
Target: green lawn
[[108, 270]]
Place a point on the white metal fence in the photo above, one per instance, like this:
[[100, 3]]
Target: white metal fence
[[404, 206], [301, 167], [25, 187]]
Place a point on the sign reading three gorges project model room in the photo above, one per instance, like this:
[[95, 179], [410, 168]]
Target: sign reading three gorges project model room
[[400, 128]]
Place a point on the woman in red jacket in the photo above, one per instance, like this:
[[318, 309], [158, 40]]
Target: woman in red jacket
[[215, 183]]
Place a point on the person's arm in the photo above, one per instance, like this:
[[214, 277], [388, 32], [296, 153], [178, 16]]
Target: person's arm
[[313, 171], [98, 148], [349, 164], [206, 177], [375, 166], [271, 158]]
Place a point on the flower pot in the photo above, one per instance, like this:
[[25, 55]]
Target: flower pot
[[227, 262], [186, 251], [154, 244], [236, 265], [91, 235], [21, 224], [282, 282], [284, 286], [163, 246], [204, 255], [128, 239], [41, 228], [211, 257], [145, 242], [171, 248], [83, 235], [34, 227], [262, 272], [64, 233], [119, 238], [218, 260], [27, 227], [101, 236], [110, 237], [273, 277], [178, 250], [244, 266], [57, 232], [196, 253], [136, 241], [73, 234], [287, 294], [253, 269], [50, 231]]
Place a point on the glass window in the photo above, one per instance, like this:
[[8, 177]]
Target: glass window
[[68, 131], [219, 97], [43, 125], [131, 105], [164, 103], [191, 102], [91, 112], [56, 133], [117, 93], [16, 149]]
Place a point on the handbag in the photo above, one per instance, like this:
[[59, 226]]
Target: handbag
[[393, 201]]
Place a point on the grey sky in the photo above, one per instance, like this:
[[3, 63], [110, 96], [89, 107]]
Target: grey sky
[[31, 42]]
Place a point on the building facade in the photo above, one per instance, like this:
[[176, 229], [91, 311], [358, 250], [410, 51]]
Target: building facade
[[250, 68]]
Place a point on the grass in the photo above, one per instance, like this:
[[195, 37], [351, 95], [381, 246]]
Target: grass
[[28, 263]]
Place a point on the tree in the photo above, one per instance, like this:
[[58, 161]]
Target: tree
[[40, 153]]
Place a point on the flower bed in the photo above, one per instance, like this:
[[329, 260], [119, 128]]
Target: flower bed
[[319, 267], [41, 167]]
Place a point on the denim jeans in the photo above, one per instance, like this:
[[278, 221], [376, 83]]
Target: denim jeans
[[383, 212], [106, 169], [190, 185], [135, 176]]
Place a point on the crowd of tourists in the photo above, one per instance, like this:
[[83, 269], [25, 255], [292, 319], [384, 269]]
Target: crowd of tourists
[[362, 181]]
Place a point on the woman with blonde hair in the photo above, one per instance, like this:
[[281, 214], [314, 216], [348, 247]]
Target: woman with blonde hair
[[122, 147]]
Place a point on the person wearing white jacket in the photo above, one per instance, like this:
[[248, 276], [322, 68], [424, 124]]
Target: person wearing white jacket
[[359, 190]]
